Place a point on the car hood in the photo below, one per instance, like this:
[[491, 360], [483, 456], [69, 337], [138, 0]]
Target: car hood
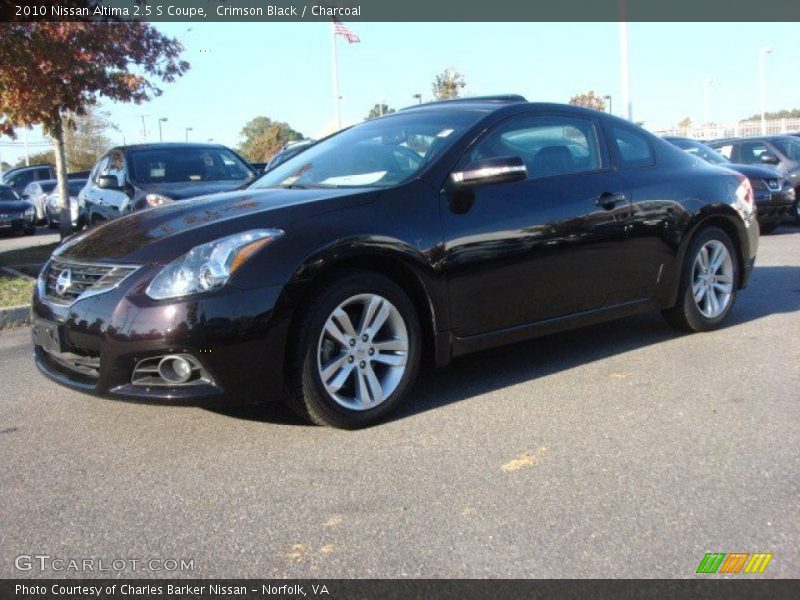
[[8, 206], [754, 171], [191, 189], [159, 235]]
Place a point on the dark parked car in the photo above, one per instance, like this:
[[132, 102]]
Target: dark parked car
[[20, 177], [774, 196], [16, 214], [432, 232], [129, 178], [781, 151], [289, 150]]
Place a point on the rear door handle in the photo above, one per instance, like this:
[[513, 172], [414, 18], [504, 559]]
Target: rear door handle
[[609, 200]]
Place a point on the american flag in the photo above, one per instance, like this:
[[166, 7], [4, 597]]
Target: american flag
[[348, 34]]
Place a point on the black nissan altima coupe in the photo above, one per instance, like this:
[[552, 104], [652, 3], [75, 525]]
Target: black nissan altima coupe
[[426, 234]]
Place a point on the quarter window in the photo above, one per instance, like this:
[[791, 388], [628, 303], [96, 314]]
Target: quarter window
[[633, 149], [548, 145]]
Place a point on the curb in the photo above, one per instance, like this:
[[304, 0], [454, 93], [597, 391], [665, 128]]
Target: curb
[[15, 316]]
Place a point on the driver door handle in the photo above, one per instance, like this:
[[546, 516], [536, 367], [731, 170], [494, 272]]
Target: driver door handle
[[609, 200]]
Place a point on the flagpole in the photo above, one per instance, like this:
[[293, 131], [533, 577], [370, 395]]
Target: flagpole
[[336, 79]]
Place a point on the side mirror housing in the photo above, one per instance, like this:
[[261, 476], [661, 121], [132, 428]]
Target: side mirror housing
[[108, 182], [503, 169], [769, 158]]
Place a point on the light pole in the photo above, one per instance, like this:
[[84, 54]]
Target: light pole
[[762, 55], [610, 110], [160, 135], [188, 129], [627, 107], [707, 83], [418, 98]]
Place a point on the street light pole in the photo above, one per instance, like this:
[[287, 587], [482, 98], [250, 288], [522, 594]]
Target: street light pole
[[418, 98], [188, 129], [610, 109], [762, 80], [160, 135], [627, 107], [707, 100]]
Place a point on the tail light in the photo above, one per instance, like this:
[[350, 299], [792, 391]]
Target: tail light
[[744, 193]]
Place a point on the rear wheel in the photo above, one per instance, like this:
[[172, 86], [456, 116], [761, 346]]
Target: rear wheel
[[709, 280], [354, 353]]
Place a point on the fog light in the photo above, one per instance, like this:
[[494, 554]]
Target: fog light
[[175, 369]]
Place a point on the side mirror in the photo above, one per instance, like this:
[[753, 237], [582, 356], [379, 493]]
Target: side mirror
[[769, 158], [503, 169], [108, 182]]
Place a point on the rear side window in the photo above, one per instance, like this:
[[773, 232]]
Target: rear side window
[[633, 149], [43, 174]]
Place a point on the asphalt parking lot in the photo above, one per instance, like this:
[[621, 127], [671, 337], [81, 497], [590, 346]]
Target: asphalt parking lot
[[622, 450]]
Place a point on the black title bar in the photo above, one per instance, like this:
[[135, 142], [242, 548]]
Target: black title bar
[[400, 10]]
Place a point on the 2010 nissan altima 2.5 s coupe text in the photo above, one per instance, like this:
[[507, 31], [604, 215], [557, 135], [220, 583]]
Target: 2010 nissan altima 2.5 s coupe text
[[422, 235]]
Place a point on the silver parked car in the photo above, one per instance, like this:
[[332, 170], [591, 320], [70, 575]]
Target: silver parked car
[[53, 213], [36, 193]]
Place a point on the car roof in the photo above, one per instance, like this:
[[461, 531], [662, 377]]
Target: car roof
[[165, 145], [17, 169]]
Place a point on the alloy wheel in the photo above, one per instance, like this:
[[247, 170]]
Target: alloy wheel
[[712, 279], [362, 352]]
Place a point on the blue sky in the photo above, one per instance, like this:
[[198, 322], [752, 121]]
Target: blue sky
[[283, 71]]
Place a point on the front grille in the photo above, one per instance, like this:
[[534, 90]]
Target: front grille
[[759, 185], [66, 281], [773, 185]]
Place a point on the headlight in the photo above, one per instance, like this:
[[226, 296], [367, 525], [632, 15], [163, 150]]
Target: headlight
[[29, 212], [157, 200], [209, 266]]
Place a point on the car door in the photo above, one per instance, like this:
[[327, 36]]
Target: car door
[[542, 247], [652, 190], [92, 195]]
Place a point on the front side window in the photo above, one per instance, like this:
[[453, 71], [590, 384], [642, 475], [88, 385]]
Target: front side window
[[115, 167], [750, 152], [633, 148], [548, 145], [183, 165], [21, 180], [7, 193], [100, 169], [377, 153]]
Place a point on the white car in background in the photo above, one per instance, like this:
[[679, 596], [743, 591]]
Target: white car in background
[[52, 211], [36, 193]]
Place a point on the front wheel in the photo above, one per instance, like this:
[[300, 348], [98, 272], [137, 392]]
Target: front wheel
[[354, 353], [709, 280]]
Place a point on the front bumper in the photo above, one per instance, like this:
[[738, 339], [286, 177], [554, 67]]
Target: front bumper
[[772, 207], [235, 334]]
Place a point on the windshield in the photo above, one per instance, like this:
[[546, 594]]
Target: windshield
[[377, 153], [789, 147], [7, 193], [182, 165], [700, 150]]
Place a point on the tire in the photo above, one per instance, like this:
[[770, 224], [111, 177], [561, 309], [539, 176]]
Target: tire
[[687, 314], [50, 223], [351, 361], [768, 228], [796, 207], [29, 229]]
